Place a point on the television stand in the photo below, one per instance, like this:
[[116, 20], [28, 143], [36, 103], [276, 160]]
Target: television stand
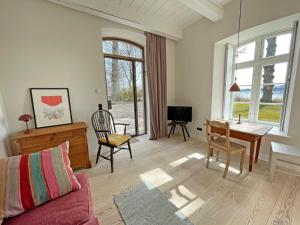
[[183, 124]]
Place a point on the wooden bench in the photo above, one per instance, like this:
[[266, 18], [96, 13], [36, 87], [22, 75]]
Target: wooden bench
[[284, 156]]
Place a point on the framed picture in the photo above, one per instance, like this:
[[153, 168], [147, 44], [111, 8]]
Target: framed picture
[[51, 106]]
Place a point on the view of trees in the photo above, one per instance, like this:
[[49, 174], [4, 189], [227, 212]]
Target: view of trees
[[270, 86], [119, 73], [122, 62], [269, 71]]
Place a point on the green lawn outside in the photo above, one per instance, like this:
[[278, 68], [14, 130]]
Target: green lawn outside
[[269, 113], [240, 108]]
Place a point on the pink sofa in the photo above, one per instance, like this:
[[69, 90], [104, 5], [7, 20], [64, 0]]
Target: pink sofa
[[74, 208]]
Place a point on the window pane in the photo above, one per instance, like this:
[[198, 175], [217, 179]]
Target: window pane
[[245, 53], [120, 92], [244, 95], [275, 73], [244, 76], [240, 108], [241, 99], [122, 48], [272, 93], [277, 45], [269, 113]]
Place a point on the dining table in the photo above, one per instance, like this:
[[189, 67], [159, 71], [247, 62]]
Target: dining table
[[250, 132]]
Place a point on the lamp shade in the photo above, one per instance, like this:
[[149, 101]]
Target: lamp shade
[[25, 117], [235, 88]]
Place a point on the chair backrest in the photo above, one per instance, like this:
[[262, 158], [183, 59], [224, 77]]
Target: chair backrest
[[102, 120], [216, 129]]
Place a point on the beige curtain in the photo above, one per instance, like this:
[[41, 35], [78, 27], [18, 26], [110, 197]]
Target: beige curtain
[[157, 84]]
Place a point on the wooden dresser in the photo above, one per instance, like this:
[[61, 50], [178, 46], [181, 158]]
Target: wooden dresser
[[43, 138]]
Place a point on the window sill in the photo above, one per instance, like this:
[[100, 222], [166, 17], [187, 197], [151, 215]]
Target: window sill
[[277, 132]]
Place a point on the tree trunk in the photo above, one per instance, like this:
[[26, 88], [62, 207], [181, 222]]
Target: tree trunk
[[268, 72], [115, 74]]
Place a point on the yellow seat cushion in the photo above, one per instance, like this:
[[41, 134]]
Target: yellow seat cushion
[[115, 139]]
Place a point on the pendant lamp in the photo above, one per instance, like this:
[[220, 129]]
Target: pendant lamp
[[235, 87]]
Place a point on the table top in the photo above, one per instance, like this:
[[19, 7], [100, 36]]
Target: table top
[[249, 128]]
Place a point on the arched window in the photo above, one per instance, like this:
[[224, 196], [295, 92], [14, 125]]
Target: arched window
[[123, 48], [125, 82]]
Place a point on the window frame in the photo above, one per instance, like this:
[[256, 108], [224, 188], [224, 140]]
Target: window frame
[[257, 63], [117, 56], [133, 60]]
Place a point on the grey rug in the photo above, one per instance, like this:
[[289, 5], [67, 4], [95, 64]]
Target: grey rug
[[141, 206]]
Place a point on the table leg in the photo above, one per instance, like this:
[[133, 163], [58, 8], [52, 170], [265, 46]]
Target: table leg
[[257, 149], [252, 146]]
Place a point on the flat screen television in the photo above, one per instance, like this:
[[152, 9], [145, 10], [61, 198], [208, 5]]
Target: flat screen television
[[180, 113]]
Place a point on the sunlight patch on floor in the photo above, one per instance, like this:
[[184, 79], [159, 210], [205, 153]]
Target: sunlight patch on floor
[[189, 209], [176, 199], [178, 162], [196, 156], [186, 192], [184, 159], [181, 196], [236, 171], [155, 178]]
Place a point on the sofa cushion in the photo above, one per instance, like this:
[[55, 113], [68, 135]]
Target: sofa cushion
[[27, 181], [74, 208]]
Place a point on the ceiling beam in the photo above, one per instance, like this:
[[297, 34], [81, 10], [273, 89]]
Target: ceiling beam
[[131, 19], [205, 8]]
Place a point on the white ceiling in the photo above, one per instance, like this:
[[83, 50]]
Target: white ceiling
[[164, 17]]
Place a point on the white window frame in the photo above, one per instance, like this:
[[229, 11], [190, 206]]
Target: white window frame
[[257, 65]]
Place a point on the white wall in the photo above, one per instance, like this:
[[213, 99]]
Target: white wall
[[170, 48], [3, 131], [195, 57], [47, 45]]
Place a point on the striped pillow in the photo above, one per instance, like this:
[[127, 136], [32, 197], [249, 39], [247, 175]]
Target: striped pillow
[[27, 181]]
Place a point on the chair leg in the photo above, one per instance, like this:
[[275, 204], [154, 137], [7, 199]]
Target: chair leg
[[129, 148], [218, 153], [186, 131], [208, 156], [228, 158], [174, 127], [98, 153], [112, 159], [183, 132], [242, 162]]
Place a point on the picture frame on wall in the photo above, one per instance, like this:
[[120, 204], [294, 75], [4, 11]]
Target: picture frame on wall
[[51, 107]]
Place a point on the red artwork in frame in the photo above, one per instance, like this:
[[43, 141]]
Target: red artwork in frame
[[51, 106]]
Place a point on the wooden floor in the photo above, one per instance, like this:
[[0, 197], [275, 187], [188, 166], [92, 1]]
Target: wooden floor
[[178, 169]]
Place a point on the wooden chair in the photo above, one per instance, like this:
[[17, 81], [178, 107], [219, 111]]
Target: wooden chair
[[105, 129], [218, 139]]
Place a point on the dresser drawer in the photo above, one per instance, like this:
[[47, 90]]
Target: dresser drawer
[[35, 141], [45, 138], [60, 137], [77, 149], [79, 161]]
